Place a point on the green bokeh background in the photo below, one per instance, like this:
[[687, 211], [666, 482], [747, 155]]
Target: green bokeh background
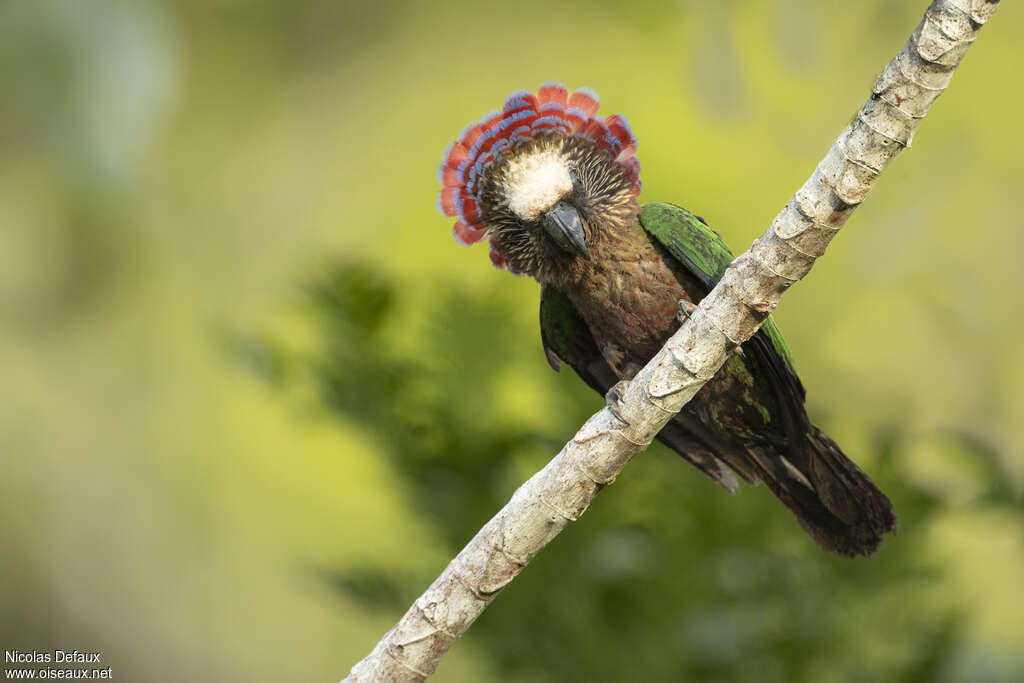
[[217, 229]]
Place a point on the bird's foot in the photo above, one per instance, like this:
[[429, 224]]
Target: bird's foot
[[614, 397], [686, 309]]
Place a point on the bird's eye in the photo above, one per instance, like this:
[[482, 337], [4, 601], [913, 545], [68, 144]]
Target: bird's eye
[[577, 185]]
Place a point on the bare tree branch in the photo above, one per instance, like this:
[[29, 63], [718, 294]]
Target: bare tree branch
[[727, 317]]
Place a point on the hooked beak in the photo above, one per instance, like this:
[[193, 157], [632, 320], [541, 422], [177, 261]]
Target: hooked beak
[[564, 225]]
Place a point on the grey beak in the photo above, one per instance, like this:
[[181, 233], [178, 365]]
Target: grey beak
[[563, 223]]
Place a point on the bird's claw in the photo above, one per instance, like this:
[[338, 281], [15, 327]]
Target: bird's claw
[[686, 309], [614, 397]]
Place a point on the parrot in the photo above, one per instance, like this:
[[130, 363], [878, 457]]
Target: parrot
[[553, 188]]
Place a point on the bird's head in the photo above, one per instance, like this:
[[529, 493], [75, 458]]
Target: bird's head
[[545, 180]]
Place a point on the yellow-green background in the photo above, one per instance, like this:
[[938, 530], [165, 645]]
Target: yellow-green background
[[174, 175]]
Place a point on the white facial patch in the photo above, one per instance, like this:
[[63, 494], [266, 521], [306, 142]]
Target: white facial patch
[[535, 182]]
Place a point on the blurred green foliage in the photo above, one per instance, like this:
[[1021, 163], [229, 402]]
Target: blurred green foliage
[[667, 577], [191, 483]]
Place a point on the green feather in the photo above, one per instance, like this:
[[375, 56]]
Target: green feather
[[702, 250], [562, 329]]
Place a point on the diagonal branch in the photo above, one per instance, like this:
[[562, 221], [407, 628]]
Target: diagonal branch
[[726, 317]]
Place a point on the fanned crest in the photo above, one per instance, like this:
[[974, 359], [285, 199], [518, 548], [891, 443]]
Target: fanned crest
[[553, 111]]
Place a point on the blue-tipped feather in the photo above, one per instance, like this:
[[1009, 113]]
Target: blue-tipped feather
[[448, 150], [465, 130], [520, 133], [500, 146], [514, 118], [517, 99], [588, 91], [629, 130], [548, 106], [458, 206], [551, 122]]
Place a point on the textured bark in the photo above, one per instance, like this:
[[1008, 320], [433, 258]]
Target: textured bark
[[728, 316]]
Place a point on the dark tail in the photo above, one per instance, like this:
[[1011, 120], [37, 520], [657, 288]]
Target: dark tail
[[834, 501]]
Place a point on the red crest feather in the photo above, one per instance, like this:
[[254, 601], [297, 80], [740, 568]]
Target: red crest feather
[[524, 116]]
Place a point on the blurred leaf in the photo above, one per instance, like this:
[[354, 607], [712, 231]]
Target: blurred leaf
[[369, 586]]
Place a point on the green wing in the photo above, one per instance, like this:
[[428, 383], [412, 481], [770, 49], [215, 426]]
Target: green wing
[[688, 238], [567, 339], [765, 356]]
